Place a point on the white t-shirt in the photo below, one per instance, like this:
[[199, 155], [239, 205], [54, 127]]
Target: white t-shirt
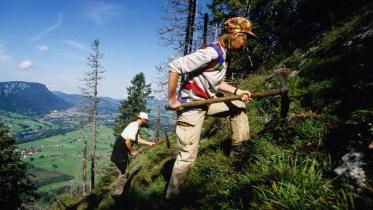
[[131, 131]]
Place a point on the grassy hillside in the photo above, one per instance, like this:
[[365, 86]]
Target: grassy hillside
[[19, 123], [290, 162], [58, 159], [25, 128]]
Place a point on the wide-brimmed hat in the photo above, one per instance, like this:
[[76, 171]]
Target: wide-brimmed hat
[[239, 25]]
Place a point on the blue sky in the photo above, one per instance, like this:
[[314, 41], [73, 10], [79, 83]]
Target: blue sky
[[47, 41]]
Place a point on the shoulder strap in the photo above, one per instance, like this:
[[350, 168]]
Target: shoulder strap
[[216, 64]]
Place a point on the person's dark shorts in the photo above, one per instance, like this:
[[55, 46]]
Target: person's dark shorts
[[120, 155]]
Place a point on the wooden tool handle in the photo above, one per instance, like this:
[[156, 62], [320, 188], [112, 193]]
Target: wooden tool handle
[[152, 146], [232, 98]]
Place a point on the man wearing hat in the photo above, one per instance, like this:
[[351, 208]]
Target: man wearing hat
[[124, 145], [123, 148], [203, 74]]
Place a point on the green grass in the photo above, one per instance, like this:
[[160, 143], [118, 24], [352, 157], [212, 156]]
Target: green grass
[[284, 181], [288, 165], [43, 177], [63, 154], [58, 185], [18, 123]]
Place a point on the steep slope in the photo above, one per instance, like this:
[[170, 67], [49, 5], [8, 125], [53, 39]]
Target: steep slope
[[302, 161], [18, 96]]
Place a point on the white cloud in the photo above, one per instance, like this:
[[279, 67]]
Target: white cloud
[[26, 64], [47, 30], [42, 48], [75, 44], [102, 12], [4, 56]]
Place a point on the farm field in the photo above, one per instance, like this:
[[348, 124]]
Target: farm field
[[19, 123], [26, 128], [58, 159]]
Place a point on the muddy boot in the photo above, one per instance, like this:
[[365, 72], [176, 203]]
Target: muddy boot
[[237, 153]]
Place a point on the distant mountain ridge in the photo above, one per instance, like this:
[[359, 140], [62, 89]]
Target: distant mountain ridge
[[26, 97], [32, 97], [106, 104]]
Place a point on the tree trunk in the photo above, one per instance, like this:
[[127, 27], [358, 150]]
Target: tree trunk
[[190, 27], [205, 25], [91, 79], [84, 168], [94, 128], [158, 125]]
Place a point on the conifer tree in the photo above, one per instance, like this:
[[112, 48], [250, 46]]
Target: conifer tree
[[138, 93], [15, 184]]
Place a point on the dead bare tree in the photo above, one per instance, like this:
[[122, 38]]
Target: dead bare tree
[[205, 28], [91, 80], [84, 108], [179, 32], [180, 18], [158, 124], [189, 30], [84, 168], [161, 80]]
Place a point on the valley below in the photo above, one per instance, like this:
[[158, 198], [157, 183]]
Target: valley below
[[53, 142]]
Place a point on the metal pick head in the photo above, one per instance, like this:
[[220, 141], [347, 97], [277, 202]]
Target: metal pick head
[[283, 74]]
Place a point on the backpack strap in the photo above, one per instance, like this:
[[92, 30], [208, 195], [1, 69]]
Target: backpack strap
[[216, 64]]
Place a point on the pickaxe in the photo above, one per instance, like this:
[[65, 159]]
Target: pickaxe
[[282, 72], [158, 143]]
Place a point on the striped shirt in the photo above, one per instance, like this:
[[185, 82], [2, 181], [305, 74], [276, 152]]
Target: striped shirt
[[204, 70]]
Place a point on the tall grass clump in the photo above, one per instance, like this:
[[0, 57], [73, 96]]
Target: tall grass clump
[[281, 182]]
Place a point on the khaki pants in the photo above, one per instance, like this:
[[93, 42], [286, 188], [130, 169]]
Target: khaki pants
[[188, 131]]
